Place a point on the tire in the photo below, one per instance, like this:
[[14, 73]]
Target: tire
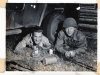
[[52, 24]]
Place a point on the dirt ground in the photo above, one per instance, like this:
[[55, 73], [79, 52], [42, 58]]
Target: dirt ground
[[82, 62]]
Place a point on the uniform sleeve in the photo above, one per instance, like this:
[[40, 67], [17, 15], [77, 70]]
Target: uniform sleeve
[[59, 46], [82, 45], [46, 43], [22, 43]]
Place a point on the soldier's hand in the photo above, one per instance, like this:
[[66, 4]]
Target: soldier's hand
[[39, 48], [66, 47], [70, 53], [67, 54]]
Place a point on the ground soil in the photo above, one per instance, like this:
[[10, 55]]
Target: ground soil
[[82, 62]]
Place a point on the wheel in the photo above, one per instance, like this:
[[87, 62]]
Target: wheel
[[52, 24]]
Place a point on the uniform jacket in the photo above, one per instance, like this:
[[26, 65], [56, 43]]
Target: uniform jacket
[[76, 42], [27, 40]]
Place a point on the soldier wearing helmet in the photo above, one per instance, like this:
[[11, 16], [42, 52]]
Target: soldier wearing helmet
[[70, 41]]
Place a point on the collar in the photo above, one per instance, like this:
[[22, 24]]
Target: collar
[[74, 36]]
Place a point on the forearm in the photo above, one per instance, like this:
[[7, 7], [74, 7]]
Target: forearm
[[82, 46], [48, 47], [19, 50], [80, 50], [61, 49], [20, 47]]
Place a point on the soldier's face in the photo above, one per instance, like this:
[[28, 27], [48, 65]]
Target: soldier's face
[[70, 30], [37, 37]]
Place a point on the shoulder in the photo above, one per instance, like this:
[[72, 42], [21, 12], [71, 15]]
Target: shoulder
[[27, 37], [44, 37], [80, 35]]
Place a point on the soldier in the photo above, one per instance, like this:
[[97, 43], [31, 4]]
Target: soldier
[[70, 41], [34, 40]]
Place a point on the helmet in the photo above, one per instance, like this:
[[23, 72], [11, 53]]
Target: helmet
[[69, 22]]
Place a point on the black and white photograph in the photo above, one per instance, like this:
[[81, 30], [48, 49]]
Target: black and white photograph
[[51, 37]]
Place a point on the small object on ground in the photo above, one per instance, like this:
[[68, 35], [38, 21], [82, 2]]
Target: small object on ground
[[49, 60], [50, 51], [36, 52]]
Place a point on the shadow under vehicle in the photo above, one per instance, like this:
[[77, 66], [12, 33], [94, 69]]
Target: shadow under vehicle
[[22, 17]]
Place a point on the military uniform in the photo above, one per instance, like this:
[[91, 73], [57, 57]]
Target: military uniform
[[27, 41], [73, 44]]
